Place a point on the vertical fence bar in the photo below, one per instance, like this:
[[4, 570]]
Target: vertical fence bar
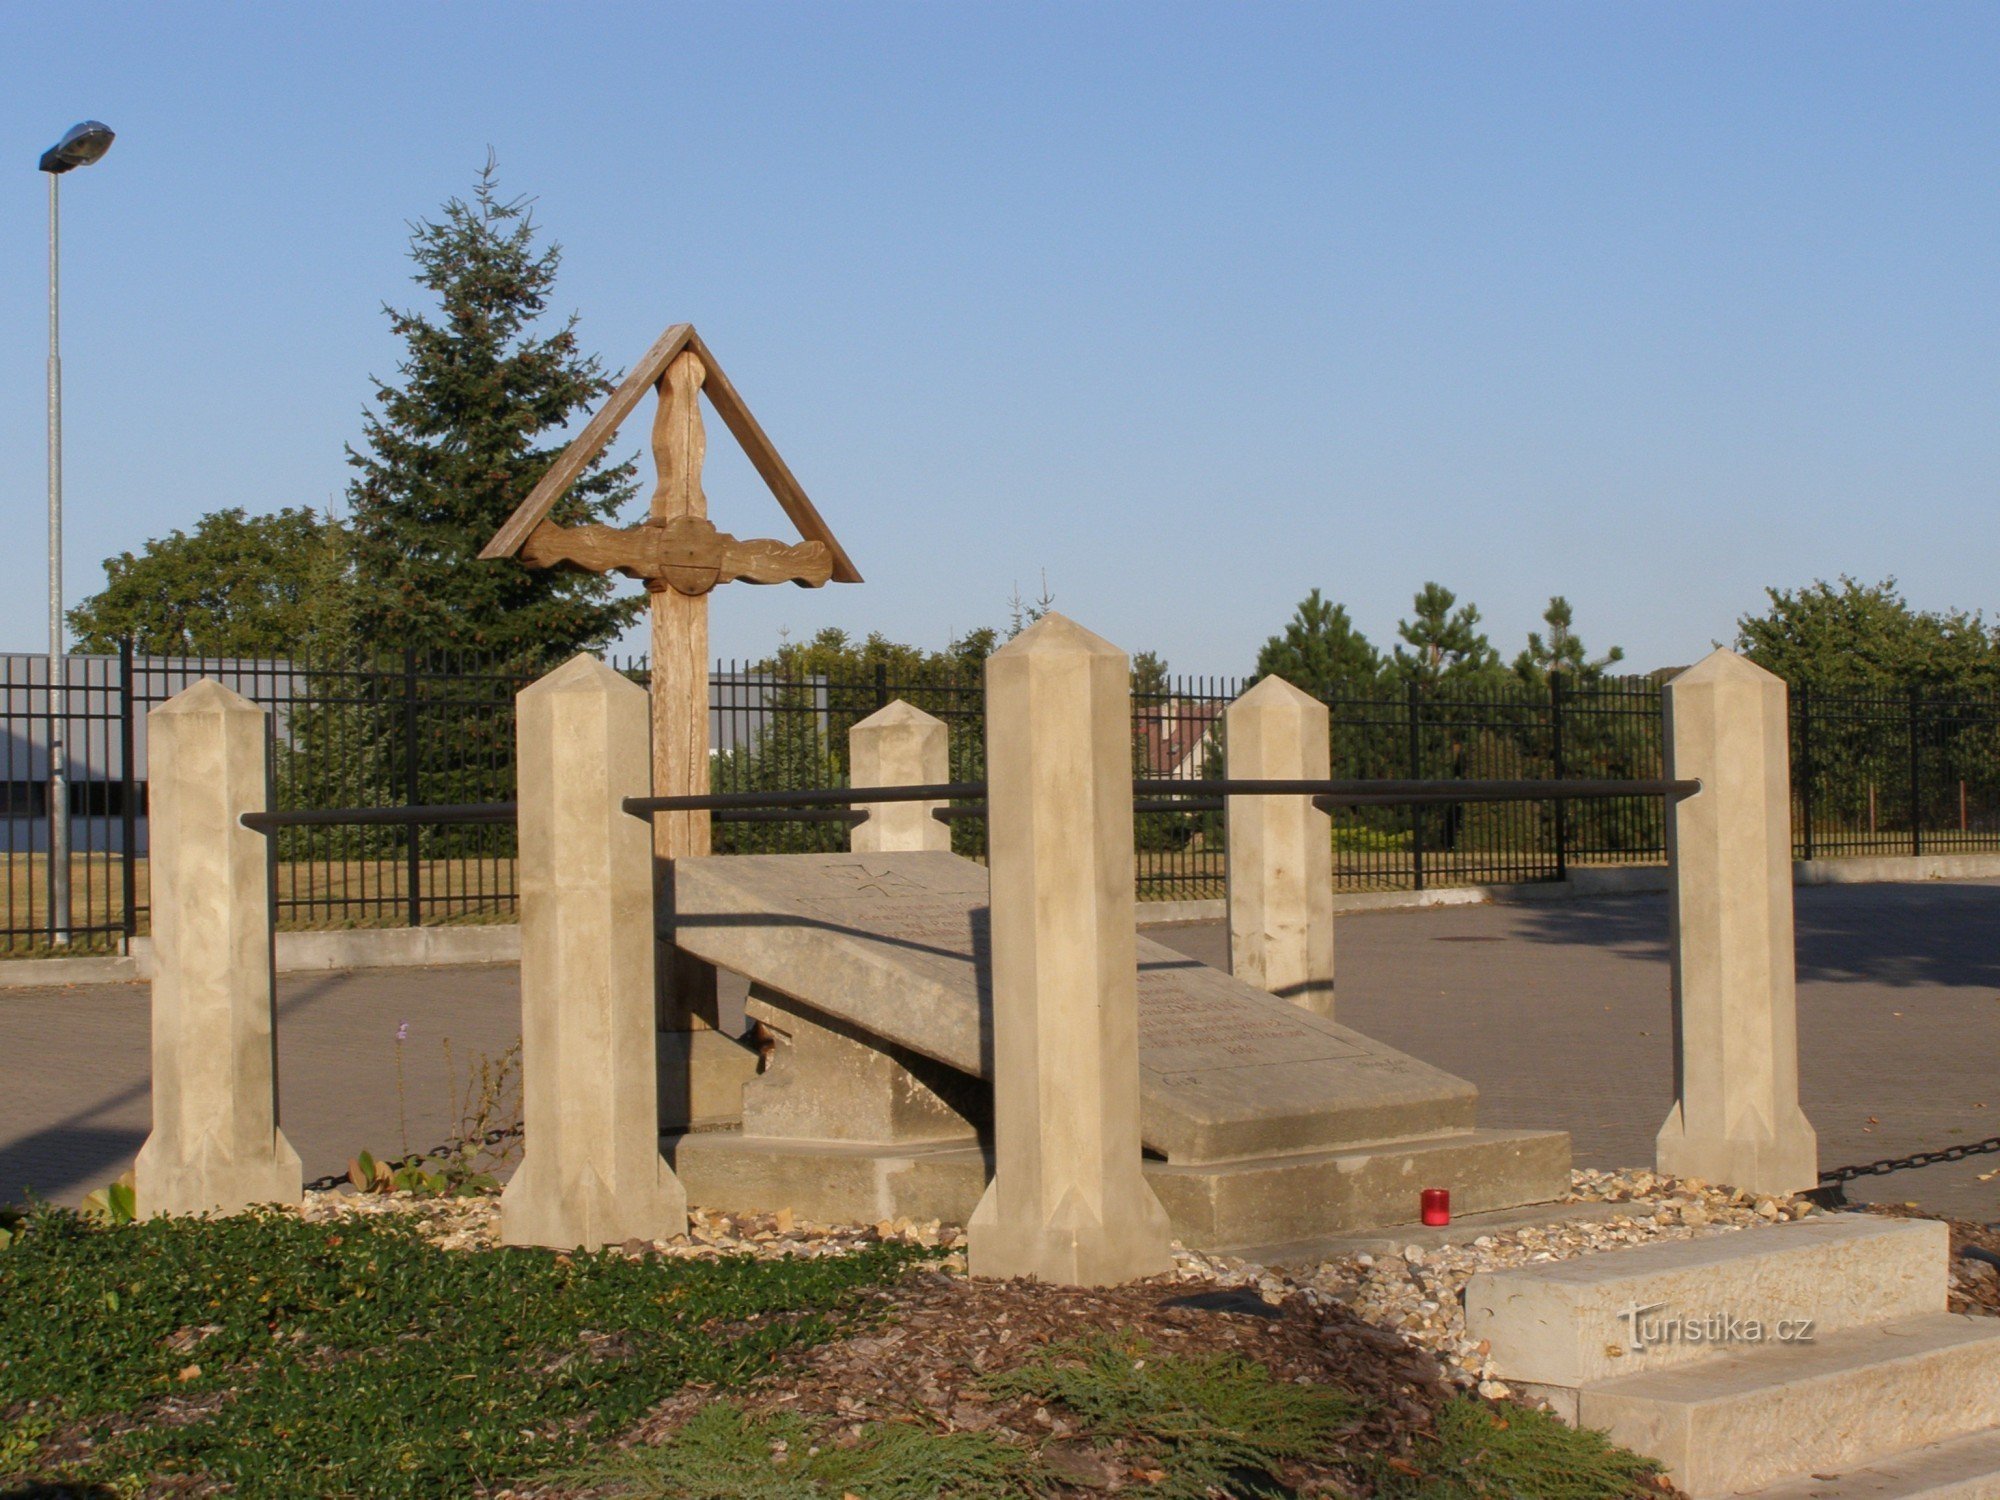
[[1916, 771], [412, 787], [1558, 769], [53, 781], [1416, 772], [128, 797], [1804, 771]]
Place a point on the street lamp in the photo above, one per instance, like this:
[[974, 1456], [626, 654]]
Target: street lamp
[[80, 146]]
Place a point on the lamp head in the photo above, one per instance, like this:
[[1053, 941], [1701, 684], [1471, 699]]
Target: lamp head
[[80, 146]]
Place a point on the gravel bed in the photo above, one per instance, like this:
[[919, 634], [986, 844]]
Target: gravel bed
[[1417, 1293]]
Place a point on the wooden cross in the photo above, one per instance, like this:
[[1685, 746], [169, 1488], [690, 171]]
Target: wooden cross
[[676, 551]]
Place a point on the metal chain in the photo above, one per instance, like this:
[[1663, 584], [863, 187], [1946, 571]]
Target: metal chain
[[1911, 1162], [492, 1137]]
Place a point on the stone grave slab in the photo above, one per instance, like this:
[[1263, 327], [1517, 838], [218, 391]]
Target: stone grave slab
[[895, 946]]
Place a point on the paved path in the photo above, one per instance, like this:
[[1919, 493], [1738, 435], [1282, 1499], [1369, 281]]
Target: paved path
[[1558, 1012]]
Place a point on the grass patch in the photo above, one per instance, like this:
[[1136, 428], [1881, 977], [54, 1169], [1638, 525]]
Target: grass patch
[[1482, 1452], [285, 1358]]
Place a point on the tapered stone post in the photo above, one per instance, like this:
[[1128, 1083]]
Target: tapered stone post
[[1281, 848], [591, 1173], [215, 1146], [1736, 1117], [899, 745], [1068, 1202]]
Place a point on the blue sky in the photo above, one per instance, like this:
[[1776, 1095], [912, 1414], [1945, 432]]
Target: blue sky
[[1194, 307]]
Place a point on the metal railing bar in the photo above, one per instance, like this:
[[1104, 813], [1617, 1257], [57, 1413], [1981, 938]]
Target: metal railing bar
[[949, 791], [362, 817], [1363, 793]]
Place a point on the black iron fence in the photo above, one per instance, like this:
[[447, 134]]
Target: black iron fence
[[1899, 773]]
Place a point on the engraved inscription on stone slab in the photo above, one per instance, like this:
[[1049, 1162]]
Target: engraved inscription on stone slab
[[877, 894], [895, 945], [1181, 1031]]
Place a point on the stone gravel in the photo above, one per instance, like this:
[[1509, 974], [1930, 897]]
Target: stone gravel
[[1417, 1293]]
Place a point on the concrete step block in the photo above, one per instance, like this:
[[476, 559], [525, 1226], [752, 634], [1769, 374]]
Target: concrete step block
[[1618, 1312], [1270, 1208], [1277, 1207], [1966, 1468], [1781, 1411]]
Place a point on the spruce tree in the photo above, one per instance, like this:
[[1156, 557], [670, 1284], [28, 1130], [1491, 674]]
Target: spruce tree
[[450, 451]]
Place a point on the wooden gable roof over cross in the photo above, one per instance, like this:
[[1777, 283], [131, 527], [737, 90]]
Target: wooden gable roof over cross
[[676, 547]]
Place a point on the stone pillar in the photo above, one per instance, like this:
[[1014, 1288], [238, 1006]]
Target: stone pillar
[[899, 745], [1736, 1117], [215, 1146], [1281, 848], [1068, 1202], [591, 1173]]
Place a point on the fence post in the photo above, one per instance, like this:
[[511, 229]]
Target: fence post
[[1280, 849], [128, 812], [216, 1145], [1916, 770], [591, 1173], [881, 684], [1805, 770], [1736, 1116], [412, 787], [899, 745], [1069, 1202], [1416, 774], [1558, 769]]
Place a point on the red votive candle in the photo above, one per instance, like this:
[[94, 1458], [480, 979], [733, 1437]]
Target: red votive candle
[[1437, 1205]]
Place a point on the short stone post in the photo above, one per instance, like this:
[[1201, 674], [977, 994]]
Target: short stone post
[[1068, 1202], [1736, 1117], [1281, 848], [215, 1146], [899, 745], [591, 1173]]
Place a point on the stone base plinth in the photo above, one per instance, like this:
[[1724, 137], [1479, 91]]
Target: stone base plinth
[[702, 1074], [1234, 1206]]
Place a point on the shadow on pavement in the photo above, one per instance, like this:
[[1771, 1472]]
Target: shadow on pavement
[[1896, 935], [64, 1160]]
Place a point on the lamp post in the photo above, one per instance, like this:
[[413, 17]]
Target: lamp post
[[80, 146]]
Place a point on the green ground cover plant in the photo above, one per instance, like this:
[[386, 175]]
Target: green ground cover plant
[[1507, 1452], [725, 1453], [285, 1358], [1205, 1422], [1183, 1427]]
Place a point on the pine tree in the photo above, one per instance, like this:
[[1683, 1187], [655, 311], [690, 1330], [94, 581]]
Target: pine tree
[[1445, 645], [1322, 653], [1562, 652], [454, 448]]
